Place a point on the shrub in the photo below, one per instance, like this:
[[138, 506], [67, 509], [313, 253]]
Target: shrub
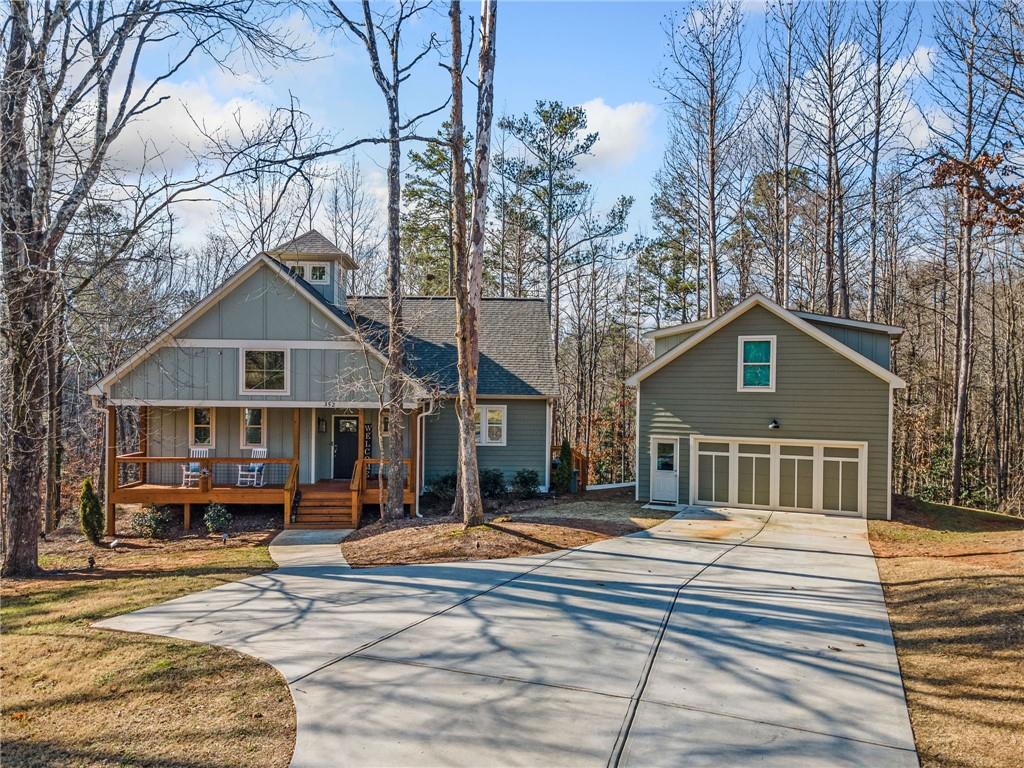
[[90, 513], [152, 522], [525, 483], [217, 519], [492, 483], [562, 478], [444, 487]]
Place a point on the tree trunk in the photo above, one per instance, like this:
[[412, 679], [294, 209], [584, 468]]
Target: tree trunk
[[24, 260], [393, 508]]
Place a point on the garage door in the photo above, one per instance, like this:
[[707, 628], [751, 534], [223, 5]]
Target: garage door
[[803, 476]]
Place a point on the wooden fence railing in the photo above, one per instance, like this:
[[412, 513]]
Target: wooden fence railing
[[580, 464]]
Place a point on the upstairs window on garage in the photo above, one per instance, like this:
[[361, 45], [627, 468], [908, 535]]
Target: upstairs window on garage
[[756, 369]]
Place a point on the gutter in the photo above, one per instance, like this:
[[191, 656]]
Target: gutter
[[423, 444]]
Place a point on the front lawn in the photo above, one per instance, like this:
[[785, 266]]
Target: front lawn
[[538, 528], [77, 696], [954, 585]]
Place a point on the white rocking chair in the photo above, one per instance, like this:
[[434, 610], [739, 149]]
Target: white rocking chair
[[252, 474], [190, 472]]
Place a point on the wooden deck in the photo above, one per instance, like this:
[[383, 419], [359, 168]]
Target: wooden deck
[[138, 478]]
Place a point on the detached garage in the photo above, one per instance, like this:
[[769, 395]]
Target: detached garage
[[766, 408]]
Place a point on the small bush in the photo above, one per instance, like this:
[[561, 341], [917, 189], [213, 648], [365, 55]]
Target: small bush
[[152, 522], [492, 484], [525, 483], [90, 512], [217, 519], [562, 478], [444, 487]]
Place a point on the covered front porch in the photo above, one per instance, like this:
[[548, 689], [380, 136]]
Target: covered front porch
[[322, 464]]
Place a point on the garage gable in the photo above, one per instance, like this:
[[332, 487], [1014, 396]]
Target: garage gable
[[759, 301]]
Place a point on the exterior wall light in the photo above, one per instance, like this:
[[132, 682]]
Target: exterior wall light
[[773, 424]]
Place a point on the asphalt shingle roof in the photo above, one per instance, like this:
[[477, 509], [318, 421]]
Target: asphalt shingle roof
[[517, 354], [312, 244]]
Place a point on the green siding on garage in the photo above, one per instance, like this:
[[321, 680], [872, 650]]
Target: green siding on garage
[[819, 395], [525, 446]]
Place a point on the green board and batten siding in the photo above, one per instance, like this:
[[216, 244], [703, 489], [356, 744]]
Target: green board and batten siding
[[525, 441], [819, 395], [263, 309]]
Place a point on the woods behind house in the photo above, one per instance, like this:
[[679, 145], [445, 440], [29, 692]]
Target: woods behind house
[[823, 157]]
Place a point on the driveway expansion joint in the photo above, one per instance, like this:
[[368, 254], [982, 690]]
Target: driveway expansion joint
[[623, 736]]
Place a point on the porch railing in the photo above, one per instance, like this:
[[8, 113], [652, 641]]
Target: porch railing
[[135, 469], [366, 470]]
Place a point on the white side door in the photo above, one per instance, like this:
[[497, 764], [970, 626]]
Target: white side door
[[665, 470]]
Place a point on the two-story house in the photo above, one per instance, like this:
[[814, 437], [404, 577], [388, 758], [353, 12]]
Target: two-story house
[[270, 390], [765, 407]]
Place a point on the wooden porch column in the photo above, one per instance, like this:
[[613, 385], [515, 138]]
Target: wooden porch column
[[111, 438], [187, 522], [143, 440], [289, 493], [357, 495]]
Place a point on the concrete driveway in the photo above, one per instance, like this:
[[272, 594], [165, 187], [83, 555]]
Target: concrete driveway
[[717, 638]]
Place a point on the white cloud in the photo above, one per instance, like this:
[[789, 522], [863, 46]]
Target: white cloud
[[165, 138], [624, 130], [923, 61]]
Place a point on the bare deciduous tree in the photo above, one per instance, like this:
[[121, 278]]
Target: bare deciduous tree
[[376, 30]]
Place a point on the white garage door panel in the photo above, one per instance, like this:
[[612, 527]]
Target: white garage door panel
[[800, 475]]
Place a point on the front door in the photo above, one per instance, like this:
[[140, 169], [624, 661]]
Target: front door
[[666, 473], [346, 446]]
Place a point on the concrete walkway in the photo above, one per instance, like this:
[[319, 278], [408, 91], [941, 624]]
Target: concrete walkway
[[297, 548], [717, 638]]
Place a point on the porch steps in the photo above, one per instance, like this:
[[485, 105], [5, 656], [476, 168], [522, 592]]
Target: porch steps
[[324, 508]]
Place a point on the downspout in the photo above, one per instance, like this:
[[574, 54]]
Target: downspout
[[423, 452]]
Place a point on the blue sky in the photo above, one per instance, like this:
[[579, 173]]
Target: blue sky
[[604, 55]]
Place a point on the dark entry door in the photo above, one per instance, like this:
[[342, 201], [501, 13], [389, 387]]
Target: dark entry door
[[346, 446]]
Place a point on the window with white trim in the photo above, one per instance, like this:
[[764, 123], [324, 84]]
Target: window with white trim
[[201, 427], [254, 428], [264, 371], [756, 364], [495, 418], [315, 272], [318, 274]]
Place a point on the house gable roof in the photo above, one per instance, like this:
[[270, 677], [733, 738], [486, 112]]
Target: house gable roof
[[516, 349], [250, 268], [712, 327], [312, 245]]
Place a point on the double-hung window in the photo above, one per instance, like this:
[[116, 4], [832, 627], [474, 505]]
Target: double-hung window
[[201, 427], [756, 365], [254, 428], [490, 424], [264, 371]]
